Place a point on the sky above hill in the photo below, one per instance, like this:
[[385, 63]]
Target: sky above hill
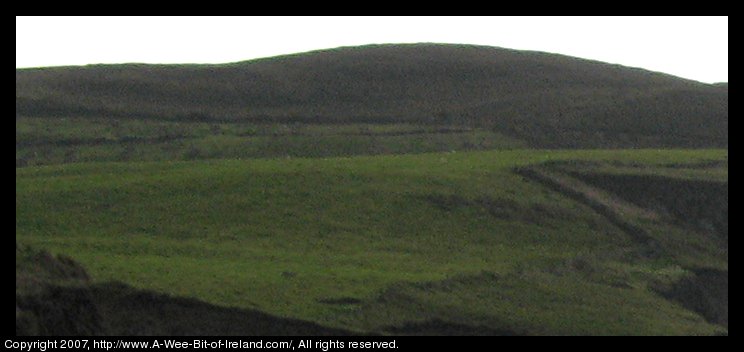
[[689, 47]]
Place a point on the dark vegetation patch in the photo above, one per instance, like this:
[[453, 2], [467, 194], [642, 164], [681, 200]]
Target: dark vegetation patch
[[708, 164], [54, 297], [41, 265], [129, 311], [696, 204], [436, 327], [704, 291], [403, 293], [500, 208], [340, 300], [59, 311], [457, 281], [82, 142]]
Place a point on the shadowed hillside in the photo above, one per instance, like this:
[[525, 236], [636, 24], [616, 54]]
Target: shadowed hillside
[[54, 296], [674, 194], [546, 99]]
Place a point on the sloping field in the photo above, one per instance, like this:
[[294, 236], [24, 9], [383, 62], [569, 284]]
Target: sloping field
[[430, 243]]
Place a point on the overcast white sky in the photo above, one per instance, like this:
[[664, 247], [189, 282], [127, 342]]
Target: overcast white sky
[[689, 47]]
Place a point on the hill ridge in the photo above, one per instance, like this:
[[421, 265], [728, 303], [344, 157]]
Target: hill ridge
[[565, 101]]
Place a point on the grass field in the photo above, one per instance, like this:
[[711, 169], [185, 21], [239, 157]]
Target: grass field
[[45, 141], [387, 243]]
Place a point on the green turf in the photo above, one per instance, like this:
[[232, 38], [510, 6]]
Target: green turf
[[398, 236], [44, 141]]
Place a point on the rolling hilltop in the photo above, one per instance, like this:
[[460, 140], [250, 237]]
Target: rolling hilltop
[[546, 100]]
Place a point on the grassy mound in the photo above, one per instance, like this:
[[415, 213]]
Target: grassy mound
[[544, 99]]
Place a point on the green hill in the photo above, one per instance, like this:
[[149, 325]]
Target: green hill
[[437, 243], [546, 99], [383, 189]]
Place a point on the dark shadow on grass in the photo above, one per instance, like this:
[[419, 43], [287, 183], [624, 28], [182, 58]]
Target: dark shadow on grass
[[436, 327], [54, 297], [500, 208], [704, 292]]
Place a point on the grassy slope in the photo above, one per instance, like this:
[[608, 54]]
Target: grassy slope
[[390, 240], [549, 100], [53, 140]]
